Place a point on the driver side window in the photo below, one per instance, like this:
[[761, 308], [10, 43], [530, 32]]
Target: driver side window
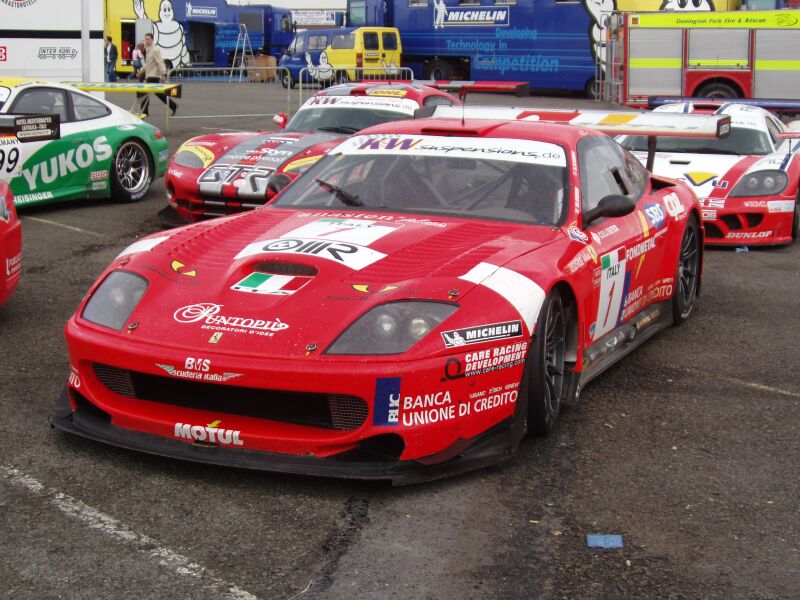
[[602, 169], [42, 101]]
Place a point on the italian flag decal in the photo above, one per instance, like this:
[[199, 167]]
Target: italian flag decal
[[265, 283]]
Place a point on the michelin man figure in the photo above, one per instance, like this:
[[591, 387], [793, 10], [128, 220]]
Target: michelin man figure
[[323, 72], [168, 34], [392, 70], [439, 14]]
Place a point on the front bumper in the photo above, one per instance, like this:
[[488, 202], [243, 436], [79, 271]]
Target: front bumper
[[185, 198], [748, 221], [490, 447], [301, 414]]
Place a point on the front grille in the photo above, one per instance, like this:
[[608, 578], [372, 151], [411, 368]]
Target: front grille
[[712, 231], [327, 411], [754, 219], [732, 221]]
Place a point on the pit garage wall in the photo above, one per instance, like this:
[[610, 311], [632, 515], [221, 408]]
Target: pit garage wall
[[42, 39]]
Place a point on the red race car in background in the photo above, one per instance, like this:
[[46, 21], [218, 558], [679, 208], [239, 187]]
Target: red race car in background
[[10, 242], [226, 173], [748, 183], [408, 308]]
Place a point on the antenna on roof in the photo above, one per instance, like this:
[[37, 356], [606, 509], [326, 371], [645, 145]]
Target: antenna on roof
[[462, 94]]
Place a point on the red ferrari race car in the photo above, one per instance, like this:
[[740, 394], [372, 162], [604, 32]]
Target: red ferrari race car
[[421, 297], [225, 173], [748, 183], [10, 242]]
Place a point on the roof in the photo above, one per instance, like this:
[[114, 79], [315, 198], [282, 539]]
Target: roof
[[742, 115], [411, 91], [562, 134], [12, 82]]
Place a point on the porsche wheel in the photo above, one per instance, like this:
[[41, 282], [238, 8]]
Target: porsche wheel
[[545, 368], [131, 172], [687, 277]]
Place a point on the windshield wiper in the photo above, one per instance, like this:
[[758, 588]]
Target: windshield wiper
[[340, 129], [346, 197]]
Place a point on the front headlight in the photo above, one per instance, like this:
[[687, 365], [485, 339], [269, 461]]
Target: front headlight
[[761, 183], [391, 328], [193, 155], [114, 300]]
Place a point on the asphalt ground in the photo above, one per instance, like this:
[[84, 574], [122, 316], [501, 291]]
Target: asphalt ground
[[688, 449]]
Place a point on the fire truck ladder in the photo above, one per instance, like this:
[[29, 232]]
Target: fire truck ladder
[[608, 62], [242, 54]]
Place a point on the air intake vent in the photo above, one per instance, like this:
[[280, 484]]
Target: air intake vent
[[285, 268], [326, 411]]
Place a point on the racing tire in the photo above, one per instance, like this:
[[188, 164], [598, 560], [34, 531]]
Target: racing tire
[[687, 276], [545, 376], [287, 81], [131, 172], [438, 69], [717, 90]]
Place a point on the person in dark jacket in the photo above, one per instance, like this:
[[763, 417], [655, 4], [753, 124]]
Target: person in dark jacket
[[111, 60]]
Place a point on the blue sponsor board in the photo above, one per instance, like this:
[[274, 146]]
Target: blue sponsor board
[[387, 401]]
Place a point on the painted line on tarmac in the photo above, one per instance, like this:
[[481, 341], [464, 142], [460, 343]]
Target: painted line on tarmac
[[70, 227], [107, 524], [742, 382]]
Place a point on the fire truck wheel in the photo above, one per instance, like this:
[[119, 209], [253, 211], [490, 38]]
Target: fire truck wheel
[[437, 70], [717, 90]]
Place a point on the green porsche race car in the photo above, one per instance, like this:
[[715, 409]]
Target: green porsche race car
[[103, 151]]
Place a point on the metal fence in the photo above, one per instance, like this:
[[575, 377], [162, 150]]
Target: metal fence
[[210, 92], [311, 78]]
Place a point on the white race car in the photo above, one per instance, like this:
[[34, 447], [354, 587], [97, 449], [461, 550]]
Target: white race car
[[747, 182]]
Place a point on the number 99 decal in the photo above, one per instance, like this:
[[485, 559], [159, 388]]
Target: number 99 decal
[[9, 159]]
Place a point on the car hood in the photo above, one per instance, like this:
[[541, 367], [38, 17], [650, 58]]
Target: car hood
[[238, 167], [703, 173], [333, 267]]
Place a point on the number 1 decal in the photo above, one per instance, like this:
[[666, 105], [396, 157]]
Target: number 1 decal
[[612, 282]]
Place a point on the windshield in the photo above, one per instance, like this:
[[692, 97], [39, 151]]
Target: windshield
[[4, 94], [742, 140], [348, 114], [503, 179]]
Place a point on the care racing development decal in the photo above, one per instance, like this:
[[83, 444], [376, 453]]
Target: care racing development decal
[[485, 361], [344, 241], [482, 333], [208, 315], [393, 407]]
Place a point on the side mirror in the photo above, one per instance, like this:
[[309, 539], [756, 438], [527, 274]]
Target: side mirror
[[614, 205], [281, 119], [276, 182]]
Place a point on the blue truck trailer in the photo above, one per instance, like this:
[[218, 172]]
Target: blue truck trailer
[[548, 43]]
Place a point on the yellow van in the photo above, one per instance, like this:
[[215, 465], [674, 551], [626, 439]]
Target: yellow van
[[343, 54]]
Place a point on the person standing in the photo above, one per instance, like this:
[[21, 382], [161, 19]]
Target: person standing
[[154, 71], [111, 60], [137, 60]]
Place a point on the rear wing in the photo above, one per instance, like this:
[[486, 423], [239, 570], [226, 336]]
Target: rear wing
[[777, 105], [461, 88], [644, 123], [174, 90], [30, 128]]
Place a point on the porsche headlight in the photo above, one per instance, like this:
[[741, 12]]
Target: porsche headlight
[[761, 183], [114, 300], [391, 328]]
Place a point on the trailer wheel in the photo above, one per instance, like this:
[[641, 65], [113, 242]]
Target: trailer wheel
[[438, 69], [591, 89], [716, 89]]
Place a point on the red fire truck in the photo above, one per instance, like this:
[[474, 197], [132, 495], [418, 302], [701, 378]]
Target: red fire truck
[[738, 54]]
